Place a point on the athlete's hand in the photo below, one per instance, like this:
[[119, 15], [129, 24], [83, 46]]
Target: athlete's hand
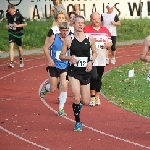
[[14, 24], [106, 45], [89, 66], [51, 63], [113, 22], [73, 59]]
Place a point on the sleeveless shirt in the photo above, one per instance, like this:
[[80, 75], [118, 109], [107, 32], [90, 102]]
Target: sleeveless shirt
[[55, 51], [79, 49]]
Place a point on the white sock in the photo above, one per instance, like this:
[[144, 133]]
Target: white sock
[[47, 87], [62, 99]]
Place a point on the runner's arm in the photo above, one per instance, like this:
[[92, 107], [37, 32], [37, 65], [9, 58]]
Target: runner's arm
[[22, 21], [93, 48], [48, 43], [65, 46], [145, 49], [109, 41], [116, 21]]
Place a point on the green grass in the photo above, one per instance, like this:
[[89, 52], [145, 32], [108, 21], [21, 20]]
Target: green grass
[[130, 93], [36, 32]]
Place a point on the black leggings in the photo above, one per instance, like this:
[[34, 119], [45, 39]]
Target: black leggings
[[96, 84]]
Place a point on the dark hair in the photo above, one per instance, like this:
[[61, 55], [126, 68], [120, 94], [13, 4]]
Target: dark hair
[[72, 12], [74, 6], [54, 2], [11, 6]]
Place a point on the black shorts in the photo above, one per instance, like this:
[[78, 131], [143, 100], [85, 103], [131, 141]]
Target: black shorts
[[55, 72], [16, 40], [113, 47], [83, 80]]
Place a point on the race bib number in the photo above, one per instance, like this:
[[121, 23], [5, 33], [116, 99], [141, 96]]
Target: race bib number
[[11, 26], [99, 45], [57, 54], [82, 62]]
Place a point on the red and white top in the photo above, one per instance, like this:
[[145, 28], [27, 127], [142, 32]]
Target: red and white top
[[101, 36]]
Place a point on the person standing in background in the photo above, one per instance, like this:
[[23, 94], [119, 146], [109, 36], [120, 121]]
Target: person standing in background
[[110, 20], [15, 25], [58, 7], [71, 24], [77, 9]]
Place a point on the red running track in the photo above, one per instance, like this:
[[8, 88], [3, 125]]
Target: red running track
[[30, 123]]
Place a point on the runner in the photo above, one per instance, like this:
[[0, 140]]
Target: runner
[[71, 24], [58, 7], [61, 17], [111, 21], [102, 37], [15, 25], [57, 68], [79, 70]]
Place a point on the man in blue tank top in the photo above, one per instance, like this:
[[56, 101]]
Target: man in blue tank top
[[79, 70], [56, 67]]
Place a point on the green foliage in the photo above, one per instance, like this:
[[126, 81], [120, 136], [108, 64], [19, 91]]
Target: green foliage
[[134, 29], [36, 31], [131, 93]]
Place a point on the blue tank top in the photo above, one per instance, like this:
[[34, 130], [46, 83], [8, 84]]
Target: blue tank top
[[55, 51]]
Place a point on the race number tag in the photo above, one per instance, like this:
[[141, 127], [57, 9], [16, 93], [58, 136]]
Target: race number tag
[[57, 54], [99, 45], [82, 62]]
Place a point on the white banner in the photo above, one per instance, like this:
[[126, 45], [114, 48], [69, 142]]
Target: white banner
[[34, 9]]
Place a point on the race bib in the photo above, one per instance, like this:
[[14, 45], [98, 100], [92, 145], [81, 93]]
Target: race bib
[[11, 26], [57, 54], [99, 45], [82, 62]]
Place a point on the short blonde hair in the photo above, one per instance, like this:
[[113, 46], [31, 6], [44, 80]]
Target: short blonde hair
[[58, 13]]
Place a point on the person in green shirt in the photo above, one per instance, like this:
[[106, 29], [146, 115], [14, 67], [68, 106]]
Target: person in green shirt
[[15, 24]]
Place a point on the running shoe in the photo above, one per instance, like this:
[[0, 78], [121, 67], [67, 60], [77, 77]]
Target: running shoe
[[61, 112], [21, 64], [113, 60], [107, 61], [97, 101], [78, 126], [44, 91], [11, 65], [92, 101]]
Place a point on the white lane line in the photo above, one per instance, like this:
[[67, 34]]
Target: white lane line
[[23, 139], [91, 128], [21, 71], [26, 60], [13, 134]]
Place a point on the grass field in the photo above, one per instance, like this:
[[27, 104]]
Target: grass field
[[36, 32], [130, 93]]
